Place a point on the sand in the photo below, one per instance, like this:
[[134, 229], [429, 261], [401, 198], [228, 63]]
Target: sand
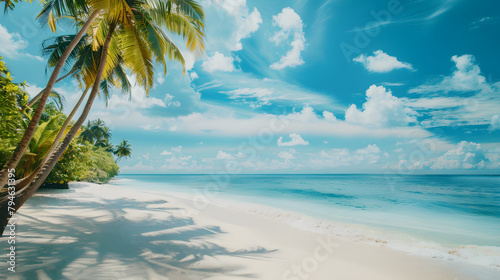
[[107, 232]]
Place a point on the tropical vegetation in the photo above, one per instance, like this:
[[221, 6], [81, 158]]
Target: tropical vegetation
[[114, 39]]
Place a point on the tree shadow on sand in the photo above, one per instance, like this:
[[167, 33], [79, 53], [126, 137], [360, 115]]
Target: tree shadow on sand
[[69, 238]]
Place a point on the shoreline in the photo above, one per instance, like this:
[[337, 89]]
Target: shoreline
[[121, 232], [366, 234]]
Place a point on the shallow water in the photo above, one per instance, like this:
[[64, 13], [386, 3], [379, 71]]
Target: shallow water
[[447, 210]]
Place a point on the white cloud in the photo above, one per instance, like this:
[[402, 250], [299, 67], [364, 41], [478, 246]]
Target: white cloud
[[295, 141], [474, 108], [193, 75], [177, 149], [329, 116], [177, 163], [465, 155], [304, 122], [242, 22], [343, 157], [172, 150], [33, 90], [290, 24], [381, 62], [287, 156], [255, 97], [369, 154], [161, 80], [466, 78], [224, 156], [138, 98], [12, 43], [169, 101], [218, 62], [495, 122], [381, 109]]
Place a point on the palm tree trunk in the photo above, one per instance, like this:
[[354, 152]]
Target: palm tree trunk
[[26, 192], [39, 95], [27, 179], [28, 134]]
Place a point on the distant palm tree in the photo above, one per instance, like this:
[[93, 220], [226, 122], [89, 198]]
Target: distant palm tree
[[96, 133], [124, 149]]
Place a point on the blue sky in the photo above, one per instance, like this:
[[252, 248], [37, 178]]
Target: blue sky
[[405, 87]]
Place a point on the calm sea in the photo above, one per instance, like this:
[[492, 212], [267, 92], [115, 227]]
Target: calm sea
[[448, 211]]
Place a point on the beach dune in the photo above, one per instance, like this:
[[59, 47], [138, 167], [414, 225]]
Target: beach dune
[[106, 232]]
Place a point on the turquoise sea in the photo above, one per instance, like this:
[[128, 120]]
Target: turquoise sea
[[445, 216]]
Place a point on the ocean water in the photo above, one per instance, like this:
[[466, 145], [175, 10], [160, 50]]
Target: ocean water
[[445, 216]]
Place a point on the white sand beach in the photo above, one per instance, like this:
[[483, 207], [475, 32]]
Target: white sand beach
[[107, 232]]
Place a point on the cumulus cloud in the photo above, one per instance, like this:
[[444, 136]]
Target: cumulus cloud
[[170, 102], [287, 156], [344, 157], [218, 62], [177, 149], [290, 25], [172, 150], [295, 140], [329, 116], [380, 62], [137, 99], [193, 75], [476, 106], [465, 155], [305, 121], [246, 23], [465, 78], [224, 156], [12, 43], [381, 109], [495, 122]]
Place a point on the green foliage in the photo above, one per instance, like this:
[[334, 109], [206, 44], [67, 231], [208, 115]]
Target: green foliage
[[74, 165], [82, 161], [40, 144], [103, 167], [124, 149], [13, 100]]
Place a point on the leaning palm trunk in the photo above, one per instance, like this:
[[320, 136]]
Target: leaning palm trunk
[[25, 193], [39, 95], [26, 180], [30, 130]]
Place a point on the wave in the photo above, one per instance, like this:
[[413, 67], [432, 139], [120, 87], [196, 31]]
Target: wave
[[488, 256]]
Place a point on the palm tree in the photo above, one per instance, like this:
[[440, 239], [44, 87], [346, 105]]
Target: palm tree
[[87, 135], [40, 144], [81, 55], [132, 32], [124, 149], [101, 133], [51, 11], [97, 133]]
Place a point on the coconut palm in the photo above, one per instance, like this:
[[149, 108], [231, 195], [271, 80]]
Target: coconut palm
[[40, 144], [133, 32], [96, 133], [124, 149], [51, 11], [81, 55]]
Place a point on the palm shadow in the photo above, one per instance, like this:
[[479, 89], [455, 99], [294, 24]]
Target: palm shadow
[[104, 239]]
